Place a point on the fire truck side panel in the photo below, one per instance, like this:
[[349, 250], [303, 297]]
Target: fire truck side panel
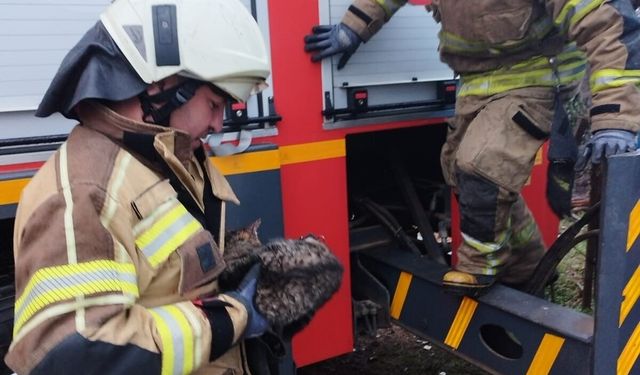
[[314, 199], [535, 195]]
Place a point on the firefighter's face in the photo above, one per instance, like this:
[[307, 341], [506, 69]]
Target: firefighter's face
[[202, 114]]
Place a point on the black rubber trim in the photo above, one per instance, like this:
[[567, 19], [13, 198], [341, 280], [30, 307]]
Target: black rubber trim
[[478, 199], [527, 125], [360, 14], [221, 328], [605, 108]]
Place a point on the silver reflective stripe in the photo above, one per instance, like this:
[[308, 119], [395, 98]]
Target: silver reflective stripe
[[574, 11], [152, 248], [176, 337], [52, 285], [179, 338], [166, 233], [609, 78], [483, 247], [533, 72]]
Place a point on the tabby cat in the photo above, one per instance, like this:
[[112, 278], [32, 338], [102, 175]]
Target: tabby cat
[[297, 276]]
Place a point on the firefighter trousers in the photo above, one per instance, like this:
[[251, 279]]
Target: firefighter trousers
[[491, 148]]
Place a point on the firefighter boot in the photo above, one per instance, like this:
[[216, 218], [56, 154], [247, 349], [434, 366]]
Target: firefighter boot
[[466, 284]]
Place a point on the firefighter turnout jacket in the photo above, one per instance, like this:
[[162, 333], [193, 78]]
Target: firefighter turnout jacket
[[501, 45], [115, 236]]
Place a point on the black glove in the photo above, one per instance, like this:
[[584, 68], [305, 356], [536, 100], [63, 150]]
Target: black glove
[[330, 40]]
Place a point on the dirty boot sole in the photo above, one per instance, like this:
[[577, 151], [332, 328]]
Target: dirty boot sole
[[466, 290]]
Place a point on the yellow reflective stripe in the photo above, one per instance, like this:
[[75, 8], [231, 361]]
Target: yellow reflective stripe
[[524, 235], [569, 54], [178, 340], [461, 322], [497, 83], [197, 334], [571, 66], [187, 338], [574, 10], [57, 284], [165, 235], [390, 6], [634, 226], [454, 43], [630, 353], [166, 338], [66, 307], [400, 295], [483, 247], [630, 295], [609, 78], [546, 355]]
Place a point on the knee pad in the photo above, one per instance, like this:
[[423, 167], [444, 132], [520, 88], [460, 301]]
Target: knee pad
[[478, 200]]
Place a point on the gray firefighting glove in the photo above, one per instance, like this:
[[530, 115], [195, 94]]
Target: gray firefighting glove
[[608, 142], [330, 40], [256, 323]]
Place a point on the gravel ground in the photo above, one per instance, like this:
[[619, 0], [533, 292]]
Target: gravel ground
[[394, 351]]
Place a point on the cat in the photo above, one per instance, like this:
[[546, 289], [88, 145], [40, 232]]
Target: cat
[[297, 276]]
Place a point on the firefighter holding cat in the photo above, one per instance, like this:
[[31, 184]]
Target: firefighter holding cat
[[123, 226], [513, 57]]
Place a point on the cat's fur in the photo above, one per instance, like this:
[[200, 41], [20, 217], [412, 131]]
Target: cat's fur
[[296, 278]]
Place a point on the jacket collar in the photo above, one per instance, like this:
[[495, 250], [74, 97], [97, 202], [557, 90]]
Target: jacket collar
[[106, 121], [168, 142]]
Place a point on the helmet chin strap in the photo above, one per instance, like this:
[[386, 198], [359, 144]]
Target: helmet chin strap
[[172, 98]]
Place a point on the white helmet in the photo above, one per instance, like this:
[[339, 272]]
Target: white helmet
[[216, 41]]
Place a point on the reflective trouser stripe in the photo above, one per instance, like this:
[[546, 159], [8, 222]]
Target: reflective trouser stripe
[[489, 250], [170, 231], [610, 78], [178, 340], [524, 235], [61, 283]]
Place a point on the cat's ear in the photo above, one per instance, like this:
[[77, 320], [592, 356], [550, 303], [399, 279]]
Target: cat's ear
[[255, 225]]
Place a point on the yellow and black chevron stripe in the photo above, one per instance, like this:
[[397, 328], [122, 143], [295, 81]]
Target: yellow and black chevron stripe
[[630, 295]]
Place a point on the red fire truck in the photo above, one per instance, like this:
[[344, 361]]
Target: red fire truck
[[352, 155]]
